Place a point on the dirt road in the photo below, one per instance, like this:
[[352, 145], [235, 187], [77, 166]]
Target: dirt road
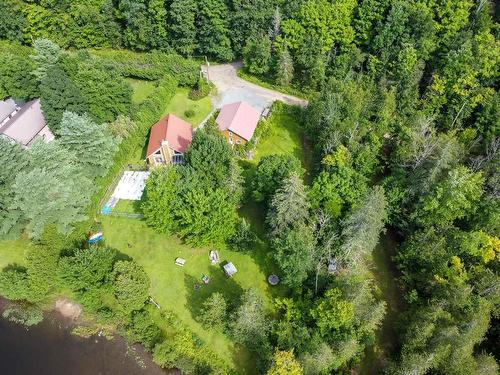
[[231, 88]]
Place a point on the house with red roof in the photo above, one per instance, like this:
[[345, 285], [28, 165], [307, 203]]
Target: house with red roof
[[169, 139], [237, 122]]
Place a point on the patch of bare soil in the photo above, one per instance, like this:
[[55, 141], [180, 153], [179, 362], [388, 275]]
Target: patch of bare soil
[[68, 309]]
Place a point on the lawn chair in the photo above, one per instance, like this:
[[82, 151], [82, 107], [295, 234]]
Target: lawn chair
[[180, 262], [214, 257]]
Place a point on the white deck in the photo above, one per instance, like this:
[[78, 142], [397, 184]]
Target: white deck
[[131, 185]]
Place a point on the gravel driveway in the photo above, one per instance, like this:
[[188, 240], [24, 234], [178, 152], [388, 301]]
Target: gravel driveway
[[231, 88]]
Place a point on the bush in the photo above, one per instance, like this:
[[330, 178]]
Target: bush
[[152, 66], [27, 315], [244, 238], [201, 90], [189, 113]]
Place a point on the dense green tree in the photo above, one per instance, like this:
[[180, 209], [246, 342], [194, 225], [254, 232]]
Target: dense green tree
[[59, 94], [212, 24], [452, 199], [249, 18], [205, 216], [250, 325], [288, 207], [214, 311], [14, 160], [257, 54], [105, 92], [182, 26], [271, 172], [143, 329], [130, 285], [12, 20], [284, 67], [87, 268], [46, 56], [15, 81], [362, 227], [91, 144], [333, 314], [293, 252], [59, 180], [14, 284], [159, 198], [284, 363]]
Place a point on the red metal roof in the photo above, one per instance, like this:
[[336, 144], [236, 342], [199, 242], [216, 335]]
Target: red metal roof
[[177, 132], [240, 118]]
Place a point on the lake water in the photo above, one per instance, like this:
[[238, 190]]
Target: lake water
[[50, 349]]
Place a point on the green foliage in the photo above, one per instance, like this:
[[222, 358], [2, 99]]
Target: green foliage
[[270, 174], [105, 92], [284, 68], [143, 329], [250, 325], [87, 268], [333, 314], [46, 56], [58, 178], [201, 90], [182, 27], [452, 199], [212, 28], [293, 251], [14, 284], [205, 216], [89, 142], [284, 363], [59, 94], [214, 312], [130, 285], [244, 237], [159, 198], [257, 55], [12, 21], [15, 81]]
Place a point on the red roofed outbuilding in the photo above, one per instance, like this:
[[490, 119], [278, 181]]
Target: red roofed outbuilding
[[237, 121], [169, 139]]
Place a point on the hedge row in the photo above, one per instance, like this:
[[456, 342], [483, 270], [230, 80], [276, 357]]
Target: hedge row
[[151, 66]]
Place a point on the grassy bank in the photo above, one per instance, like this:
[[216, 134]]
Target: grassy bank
[[180, 104]]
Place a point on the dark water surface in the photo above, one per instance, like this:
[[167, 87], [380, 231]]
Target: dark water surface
[[50, 349]]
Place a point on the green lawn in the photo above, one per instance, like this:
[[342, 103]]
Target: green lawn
[[12, 252], [180, 103], [173, 286], [128, 206], [142, 89]]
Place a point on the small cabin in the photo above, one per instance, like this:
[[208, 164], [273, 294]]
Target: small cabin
[[169, 139], [237, 122]]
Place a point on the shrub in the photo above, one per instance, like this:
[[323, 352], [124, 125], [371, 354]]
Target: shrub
[[201, 90], [214, 311], [189, 113], [244, 238]]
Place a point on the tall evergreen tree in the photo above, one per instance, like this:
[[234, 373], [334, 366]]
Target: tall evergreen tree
[[91, 144]]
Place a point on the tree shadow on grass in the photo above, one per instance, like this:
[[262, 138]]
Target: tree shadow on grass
[[219, 282]]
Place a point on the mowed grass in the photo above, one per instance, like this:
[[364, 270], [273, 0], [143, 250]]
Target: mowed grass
[[173, 286], [142, 89], [181, 103], [13, 252], [286, 136]]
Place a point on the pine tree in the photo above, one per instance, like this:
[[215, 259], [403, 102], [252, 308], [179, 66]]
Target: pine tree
[[59, 94], [92, 144], [284, 69], [54, 191], [288, 207], [13, 160], [47, 54], [362, 228]]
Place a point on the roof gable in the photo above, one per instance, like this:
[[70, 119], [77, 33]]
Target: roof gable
[[177, 132], [25, 124], [240, 118]]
